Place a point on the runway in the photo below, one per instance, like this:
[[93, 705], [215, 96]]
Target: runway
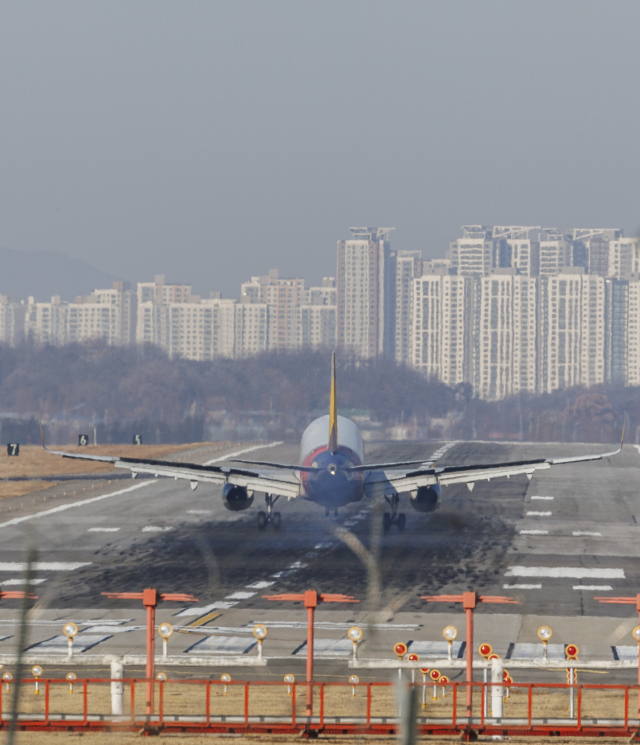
[[554, 544]]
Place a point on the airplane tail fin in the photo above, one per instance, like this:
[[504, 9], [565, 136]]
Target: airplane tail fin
[[333, 409]]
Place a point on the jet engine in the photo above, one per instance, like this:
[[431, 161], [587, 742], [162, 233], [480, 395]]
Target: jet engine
[[425, 498], [236, 498]]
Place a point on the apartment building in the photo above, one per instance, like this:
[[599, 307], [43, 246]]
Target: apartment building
[[12, 317], [317, 317], [408, 268], [283, 297], [366, 293]]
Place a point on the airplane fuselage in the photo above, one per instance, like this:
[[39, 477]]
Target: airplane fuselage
[[332, 486]]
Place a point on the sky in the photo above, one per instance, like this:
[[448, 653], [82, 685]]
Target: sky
[[211, 141]]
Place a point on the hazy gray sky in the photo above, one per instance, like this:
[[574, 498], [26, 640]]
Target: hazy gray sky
[[212, 140]]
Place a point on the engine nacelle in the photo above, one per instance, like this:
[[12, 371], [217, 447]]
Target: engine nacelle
[[236, 498], [425, 498]]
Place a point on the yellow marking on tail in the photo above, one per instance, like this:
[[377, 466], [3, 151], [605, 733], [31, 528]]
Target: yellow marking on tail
[[333, 409]]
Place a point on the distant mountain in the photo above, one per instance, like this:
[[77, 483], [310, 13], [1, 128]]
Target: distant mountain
[[46, 273]]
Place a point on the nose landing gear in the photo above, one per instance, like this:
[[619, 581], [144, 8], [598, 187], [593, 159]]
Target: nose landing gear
[[393, 518], [264, 518]]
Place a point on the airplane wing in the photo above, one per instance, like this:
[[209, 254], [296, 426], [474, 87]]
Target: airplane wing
[[281, 484], [381, 483]]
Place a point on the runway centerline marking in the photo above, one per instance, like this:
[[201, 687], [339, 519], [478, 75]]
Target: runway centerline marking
[[241, 452], [103, 530], [561, 572], [544, 498], [154, 529], [7, 582], [534, 532], [586, 532], [538, 514], [73, 505], [593, 588]]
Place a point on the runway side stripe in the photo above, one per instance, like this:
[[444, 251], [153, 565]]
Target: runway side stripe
[[570, 572], [74, 505], [241, 452]]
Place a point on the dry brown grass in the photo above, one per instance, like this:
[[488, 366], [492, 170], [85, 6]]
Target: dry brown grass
[[34, 461]]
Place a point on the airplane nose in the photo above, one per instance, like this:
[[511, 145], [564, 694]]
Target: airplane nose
[[332, 468]]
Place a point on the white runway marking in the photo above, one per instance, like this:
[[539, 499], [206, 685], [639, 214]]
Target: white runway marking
[[103, 530], [545, 498], [199, 512], [43, 566], [154, 529], [570, 572], [218, 605], [240, 595], [261, 585], [586, 532], [8, 582], [522, 587], [75, 505], [593, 588], [241, 452], [534, 532], [538, 514]]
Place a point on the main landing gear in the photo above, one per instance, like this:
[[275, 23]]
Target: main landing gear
[[264, 518], [393, 518]]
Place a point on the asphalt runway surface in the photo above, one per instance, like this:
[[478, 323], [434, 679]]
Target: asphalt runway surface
[[554, 544]]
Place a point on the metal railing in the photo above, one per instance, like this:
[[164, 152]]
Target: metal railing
[[340, 707]]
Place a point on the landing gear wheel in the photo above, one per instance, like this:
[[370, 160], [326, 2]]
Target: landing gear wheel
[[386, 522], [401, 521], [275, 520], [262, 520]]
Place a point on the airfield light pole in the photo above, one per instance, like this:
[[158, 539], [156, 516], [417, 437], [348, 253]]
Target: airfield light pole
[[628, 601], [311, 600], [150, 599], [469, 602]]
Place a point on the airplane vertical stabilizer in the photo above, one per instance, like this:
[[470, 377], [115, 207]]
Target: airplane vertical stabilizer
[[333, 409]]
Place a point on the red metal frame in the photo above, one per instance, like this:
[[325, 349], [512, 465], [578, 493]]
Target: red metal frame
[[447, 725], [469, 602], [311, 599], [150, 598]]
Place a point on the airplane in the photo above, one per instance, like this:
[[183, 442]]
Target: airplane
[[332, 473]]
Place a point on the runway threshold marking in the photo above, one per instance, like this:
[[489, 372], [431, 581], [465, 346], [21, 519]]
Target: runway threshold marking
[[241, 452], [74, 505], [565, 572]]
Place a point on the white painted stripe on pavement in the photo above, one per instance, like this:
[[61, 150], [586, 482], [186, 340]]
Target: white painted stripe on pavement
[[571, 572], [241, 452], [586, 532], [103, 530], [596, 588], [43, 566], [522, 587], [543, 498], [240, 595], [538, 514], [154, 529], [534, 532], [218, 605], [14, 582], [261, 585], [74, 505], [199, 512]]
